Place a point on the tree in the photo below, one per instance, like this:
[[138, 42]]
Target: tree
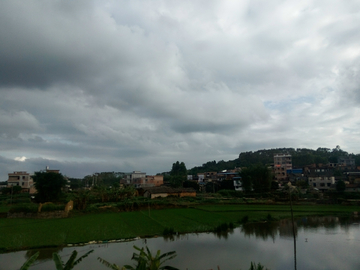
[[191, 184], [340, 186], [178, 174], [30, 261], [71, 262], [256, 177], [145, 261], [48, 186]]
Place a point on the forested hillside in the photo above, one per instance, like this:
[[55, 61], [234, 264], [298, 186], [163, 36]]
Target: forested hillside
[[300, 158]]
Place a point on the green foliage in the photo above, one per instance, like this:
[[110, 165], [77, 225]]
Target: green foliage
[[48, 186], [300, 157], [145, 260], [231, 193], [257, 178], [191, 184], [254, 266], [244, 219], [178, 169], [60, 265], [24, 208], [168, 231], [227, 184], [11, 190], [178, 174], [52, 207], [274, 185], [213, 166], [224, 227], [340, 186], [30, 261]]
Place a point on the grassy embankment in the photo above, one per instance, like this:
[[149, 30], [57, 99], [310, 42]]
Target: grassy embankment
[[30, 233]]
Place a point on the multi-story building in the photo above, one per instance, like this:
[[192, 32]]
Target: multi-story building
[[322, 183], [132, 178], [22, 179], [149, 181], [346, 161], [282, 163]]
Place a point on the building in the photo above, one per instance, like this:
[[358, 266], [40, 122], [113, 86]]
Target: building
[[346, 161], [133, 178], [282, 163], [227, 175], [237, 183], [22, 179], [148, 181], [322, 183]]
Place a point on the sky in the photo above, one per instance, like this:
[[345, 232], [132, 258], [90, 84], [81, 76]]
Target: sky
[[92, 86]]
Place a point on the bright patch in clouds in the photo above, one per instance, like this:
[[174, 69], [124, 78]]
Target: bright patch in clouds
[[22, 159]]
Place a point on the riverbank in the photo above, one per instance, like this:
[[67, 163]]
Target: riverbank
[[21, 234]]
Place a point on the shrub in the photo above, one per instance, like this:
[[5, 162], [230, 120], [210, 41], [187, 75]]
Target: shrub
[[91, 208], [168, 231], [52, 207], [223, 227], [244, 219], [24, 208], [231, 193]]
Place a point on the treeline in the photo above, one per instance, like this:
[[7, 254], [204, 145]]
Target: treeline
[[300, 157]]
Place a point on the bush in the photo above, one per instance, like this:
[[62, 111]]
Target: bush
[[244, 219], [52, 207], [168, 231], [24, 208], [91, 208], [223, 227]]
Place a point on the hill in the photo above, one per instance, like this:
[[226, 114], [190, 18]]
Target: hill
[[300, 157]]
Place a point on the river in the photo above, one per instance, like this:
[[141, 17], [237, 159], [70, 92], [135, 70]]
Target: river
[[321, 243]]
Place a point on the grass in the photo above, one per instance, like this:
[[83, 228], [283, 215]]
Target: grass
[[30, 233]]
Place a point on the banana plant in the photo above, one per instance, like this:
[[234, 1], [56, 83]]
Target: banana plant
[[71, 262], [145, 261], [254, 266], [30, 261]]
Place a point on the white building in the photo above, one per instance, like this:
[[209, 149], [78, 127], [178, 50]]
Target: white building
[[322, 183], [22, 179]]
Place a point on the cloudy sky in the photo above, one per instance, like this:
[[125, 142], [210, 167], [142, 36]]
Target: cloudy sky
[[89, 86]]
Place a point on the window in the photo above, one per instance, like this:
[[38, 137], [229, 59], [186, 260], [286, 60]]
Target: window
[[322, 184], [314, 184], [328, 184], [22, 183]]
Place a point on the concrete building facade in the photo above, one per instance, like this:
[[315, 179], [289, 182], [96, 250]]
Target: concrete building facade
[[282, 163], [22, 179]]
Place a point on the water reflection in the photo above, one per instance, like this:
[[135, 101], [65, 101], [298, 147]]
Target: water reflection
[[44, 255], [178, 236], [283, 228], [268, 243], [261, 230]]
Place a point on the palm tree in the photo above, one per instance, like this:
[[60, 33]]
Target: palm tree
[[145, 261], [60, 265]]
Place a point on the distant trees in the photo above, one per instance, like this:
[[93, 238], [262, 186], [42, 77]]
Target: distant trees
[[191, 184], [11, 190], [178, 174], [340, 186], [300, 157], [257, 178], [48, 186]]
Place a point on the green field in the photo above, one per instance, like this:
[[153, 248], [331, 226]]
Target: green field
[[18, 234]]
